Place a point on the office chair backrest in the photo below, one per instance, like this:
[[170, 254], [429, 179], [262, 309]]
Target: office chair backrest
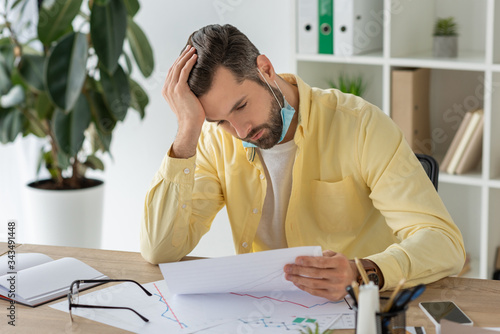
[[430, 166]]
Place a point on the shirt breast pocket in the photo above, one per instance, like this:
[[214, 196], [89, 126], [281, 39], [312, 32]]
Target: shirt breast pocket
[[336, 205]]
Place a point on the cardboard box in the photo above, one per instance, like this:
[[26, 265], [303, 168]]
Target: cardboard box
[[410, 106], [497, 264]]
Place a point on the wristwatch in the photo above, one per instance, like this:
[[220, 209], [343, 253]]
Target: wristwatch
[[373, 272]]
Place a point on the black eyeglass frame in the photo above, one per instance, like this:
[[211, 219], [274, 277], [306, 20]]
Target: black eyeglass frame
[[102, 281]]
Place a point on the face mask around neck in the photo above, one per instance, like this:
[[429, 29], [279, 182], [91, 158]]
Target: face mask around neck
[[287, 112]]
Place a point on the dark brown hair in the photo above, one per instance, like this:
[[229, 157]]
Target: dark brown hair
[[226, 46]]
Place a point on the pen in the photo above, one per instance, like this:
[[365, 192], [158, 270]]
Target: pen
[[388, 306], [417, 291], [362, 271], [401, 301], [404, 300], [405, 297], [350, 291]]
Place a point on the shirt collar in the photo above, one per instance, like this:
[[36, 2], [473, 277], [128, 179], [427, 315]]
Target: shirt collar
[[304, 104]]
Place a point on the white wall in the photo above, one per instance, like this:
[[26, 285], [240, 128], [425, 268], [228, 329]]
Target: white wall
[[139, 146]]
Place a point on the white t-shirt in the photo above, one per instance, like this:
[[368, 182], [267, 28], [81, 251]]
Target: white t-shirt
[[278, 165]]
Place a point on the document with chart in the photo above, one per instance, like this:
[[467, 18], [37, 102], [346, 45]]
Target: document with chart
[[242, 303]]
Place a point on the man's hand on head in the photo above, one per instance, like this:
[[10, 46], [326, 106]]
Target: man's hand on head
[[324, 276], [185, 105]]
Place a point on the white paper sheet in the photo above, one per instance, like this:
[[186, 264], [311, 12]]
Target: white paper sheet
[[265, 312], [261, 271]]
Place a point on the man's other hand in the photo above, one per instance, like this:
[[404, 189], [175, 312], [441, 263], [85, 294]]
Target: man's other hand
[[185, 105]]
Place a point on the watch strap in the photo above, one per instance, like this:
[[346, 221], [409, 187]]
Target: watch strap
[[372, 271]]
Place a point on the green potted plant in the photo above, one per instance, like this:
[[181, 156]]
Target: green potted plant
[[353, 85], [70, 85], [445, 38], [315, 330]]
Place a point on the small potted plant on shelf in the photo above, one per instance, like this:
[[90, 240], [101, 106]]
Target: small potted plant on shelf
[[445, 38], [353, 85], [70, 85]]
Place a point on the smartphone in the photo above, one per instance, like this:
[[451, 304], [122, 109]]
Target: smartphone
[[444, 310]]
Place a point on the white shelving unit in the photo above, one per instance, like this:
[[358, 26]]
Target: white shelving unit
[[472, 80]]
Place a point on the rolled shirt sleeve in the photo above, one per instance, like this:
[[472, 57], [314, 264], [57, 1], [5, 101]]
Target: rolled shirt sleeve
[[431, 244], [179, 208]]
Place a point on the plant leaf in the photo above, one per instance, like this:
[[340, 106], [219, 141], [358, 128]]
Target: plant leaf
[[132, 7], [53, 21], [116, 92], [108, 26], [128, 62], [15, 4], [62, 163], [11, 124], [353, 85], [70, 128], [6, 65], [49, 164], [34, 127], [104, 120], [94, 162], [28, 49], [13, 97], [5, 82], [98, 140], [44, 108], [104, 141], [65, 70], [31, 70], [141, 49], [445, 27], [139, 98], [7, 54]]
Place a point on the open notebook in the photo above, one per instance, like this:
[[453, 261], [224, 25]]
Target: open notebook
[[38, 279]]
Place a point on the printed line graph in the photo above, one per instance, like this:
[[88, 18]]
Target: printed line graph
[[269, 324], [169, 309], [285, 301], [292, 323]]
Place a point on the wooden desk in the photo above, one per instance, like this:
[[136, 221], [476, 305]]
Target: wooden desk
[[480, 299]]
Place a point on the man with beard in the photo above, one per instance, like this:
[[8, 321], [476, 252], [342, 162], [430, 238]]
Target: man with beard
[[295, 166]]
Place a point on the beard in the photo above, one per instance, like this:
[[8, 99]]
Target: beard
[[274, 126]]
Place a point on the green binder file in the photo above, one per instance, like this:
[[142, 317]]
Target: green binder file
[[325, 31]]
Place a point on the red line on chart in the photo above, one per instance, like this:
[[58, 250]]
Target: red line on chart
[[171, 310], [278, 300]]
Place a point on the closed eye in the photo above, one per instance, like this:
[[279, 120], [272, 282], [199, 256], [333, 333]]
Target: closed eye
[[242, 106]]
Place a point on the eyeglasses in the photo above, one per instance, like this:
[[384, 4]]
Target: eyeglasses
[[74, 291]]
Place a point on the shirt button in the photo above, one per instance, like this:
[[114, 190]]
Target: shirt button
[[262, 176], [184, 206], [186, 171], [245, 245], [255, 211]]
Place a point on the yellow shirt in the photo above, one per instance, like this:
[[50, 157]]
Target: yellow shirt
[[357, 189]]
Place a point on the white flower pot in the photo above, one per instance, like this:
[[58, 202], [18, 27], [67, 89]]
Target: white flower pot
[[63, 217]]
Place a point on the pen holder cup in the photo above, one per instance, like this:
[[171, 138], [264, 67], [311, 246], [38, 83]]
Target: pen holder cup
[[388, 322]]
